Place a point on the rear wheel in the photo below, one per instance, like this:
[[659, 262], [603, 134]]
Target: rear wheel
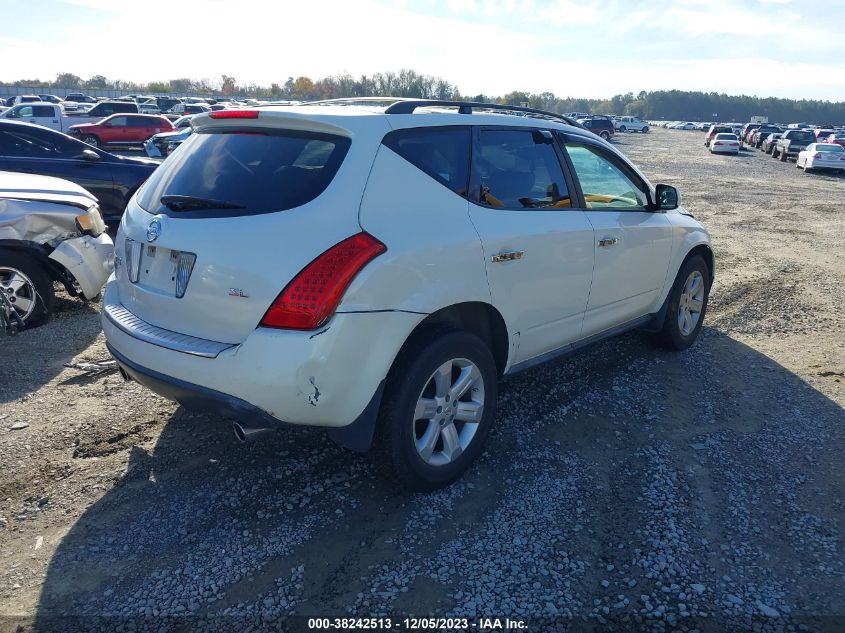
[[605, 135], [783, 157], [622, 128], [645, 129], [438, 408], [92, 140], [687, 305], [26, 286]]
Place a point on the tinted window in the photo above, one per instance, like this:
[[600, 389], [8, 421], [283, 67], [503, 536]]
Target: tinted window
[[802, 136], [515, 169], [25, 142], [43, 111], [441, 152], [604, 180], [25, 111], [261, 172]]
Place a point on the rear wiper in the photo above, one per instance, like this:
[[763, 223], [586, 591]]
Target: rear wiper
[[184, 203]]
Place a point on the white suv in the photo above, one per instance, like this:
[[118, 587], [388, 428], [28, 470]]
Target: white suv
[[630, 124], [375, 269]]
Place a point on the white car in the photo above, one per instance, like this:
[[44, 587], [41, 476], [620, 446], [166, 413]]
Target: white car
[[683, 126], [630, 124], [724, 143], [51, 230], [822, 156], [345, 267]]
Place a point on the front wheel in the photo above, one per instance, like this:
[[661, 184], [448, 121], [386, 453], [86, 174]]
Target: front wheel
[[687, 304], [438, 407], [645, 129], [27, 288], [622, 128]]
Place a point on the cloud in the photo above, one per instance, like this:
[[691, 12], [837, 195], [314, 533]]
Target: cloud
[[594, 48]]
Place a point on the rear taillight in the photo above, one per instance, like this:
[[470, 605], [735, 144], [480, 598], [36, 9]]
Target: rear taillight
[[314, 294], [234, 114]]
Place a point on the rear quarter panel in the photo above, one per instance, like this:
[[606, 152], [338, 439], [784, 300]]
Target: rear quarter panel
[[434, 257]]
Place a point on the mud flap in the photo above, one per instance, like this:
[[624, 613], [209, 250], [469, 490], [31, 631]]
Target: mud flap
[[358, 436]]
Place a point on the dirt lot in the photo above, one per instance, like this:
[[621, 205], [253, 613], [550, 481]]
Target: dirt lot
[[624, 486]]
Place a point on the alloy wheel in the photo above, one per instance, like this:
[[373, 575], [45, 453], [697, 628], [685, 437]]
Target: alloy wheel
[[448, 412], [691, 303], [18, 290]]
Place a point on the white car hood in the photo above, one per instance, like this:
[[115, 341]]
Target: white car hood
[[40, 209], [44, 188]]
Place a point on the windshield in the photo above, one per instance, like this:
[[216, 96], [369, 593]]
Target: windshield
[[252, 172]]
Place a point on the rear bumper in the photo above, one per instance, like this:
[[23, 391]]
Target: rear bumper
[[325, 378], [194, 397]]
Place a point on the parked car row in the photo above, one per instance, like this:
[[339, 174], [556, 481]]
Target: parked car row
[[811, 148]]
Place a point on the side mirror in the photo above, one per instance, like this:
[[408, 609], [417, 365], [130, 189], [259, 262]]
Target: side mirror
[[668, 197], [89, 155]]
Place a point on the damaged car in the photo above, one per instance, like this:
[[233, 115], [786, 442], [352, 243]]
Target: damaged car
[[51, 230]]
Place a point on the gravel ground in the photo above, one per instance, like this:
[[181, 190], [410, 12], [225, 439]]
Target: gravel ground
[[623, 488]]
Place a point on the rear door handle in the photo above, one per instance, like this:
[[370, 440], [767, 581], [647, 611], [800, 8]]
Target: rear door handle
[[608, 241], [507, 257]]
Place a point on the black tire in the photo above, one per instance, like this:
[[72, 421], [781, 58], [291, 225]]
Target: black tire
[[92, 140], [605, 136], [783, 156], [394, 447], [622, 128], [43, 285], [670, 334], [645, 130], [774, 152]]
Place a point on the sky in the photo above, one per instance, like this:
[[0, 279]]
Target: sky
[[574, 48]]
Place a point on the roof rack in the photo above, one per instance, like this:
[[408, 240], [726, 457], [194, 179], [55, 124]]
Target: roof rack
[[407, 106], [404, 105]]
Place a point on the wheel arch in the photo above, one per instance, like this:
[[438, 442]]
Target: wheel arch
[[707, 255], [476, 317], [40, 253]]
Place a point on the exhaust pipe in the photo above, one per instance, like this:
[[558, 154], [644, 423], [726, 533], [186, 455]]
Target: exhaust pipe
[[248, 433]]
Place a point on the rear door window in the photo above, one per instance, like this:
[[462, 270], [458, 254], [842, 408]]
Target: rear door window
[[518, 169], [43, 111], [233, 173], [440, 152], [26, 142]]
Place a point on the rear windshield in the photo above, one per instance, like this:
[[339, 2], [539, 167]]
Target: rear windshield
[[244, 173], [829, 147], [802, 136], [726, 137]]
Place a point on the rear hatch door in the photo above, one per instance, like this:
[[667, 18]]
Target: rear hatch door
[[240, 209]]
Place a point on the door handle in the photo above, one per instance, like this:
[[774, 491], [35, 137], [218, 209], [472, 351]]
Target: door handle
[[608, 241], [507, 257]]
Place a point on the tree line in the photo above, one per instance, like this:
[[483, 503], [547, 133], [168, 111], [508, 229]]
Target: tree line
[[659, 104]]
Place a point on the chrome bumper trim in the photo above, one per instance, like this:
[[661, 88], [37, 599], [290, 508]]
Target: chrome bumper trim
[[127, 322]]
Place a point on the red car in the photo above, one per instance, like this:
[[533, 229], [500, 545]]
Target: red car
[[121, 129], [838, 138]]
